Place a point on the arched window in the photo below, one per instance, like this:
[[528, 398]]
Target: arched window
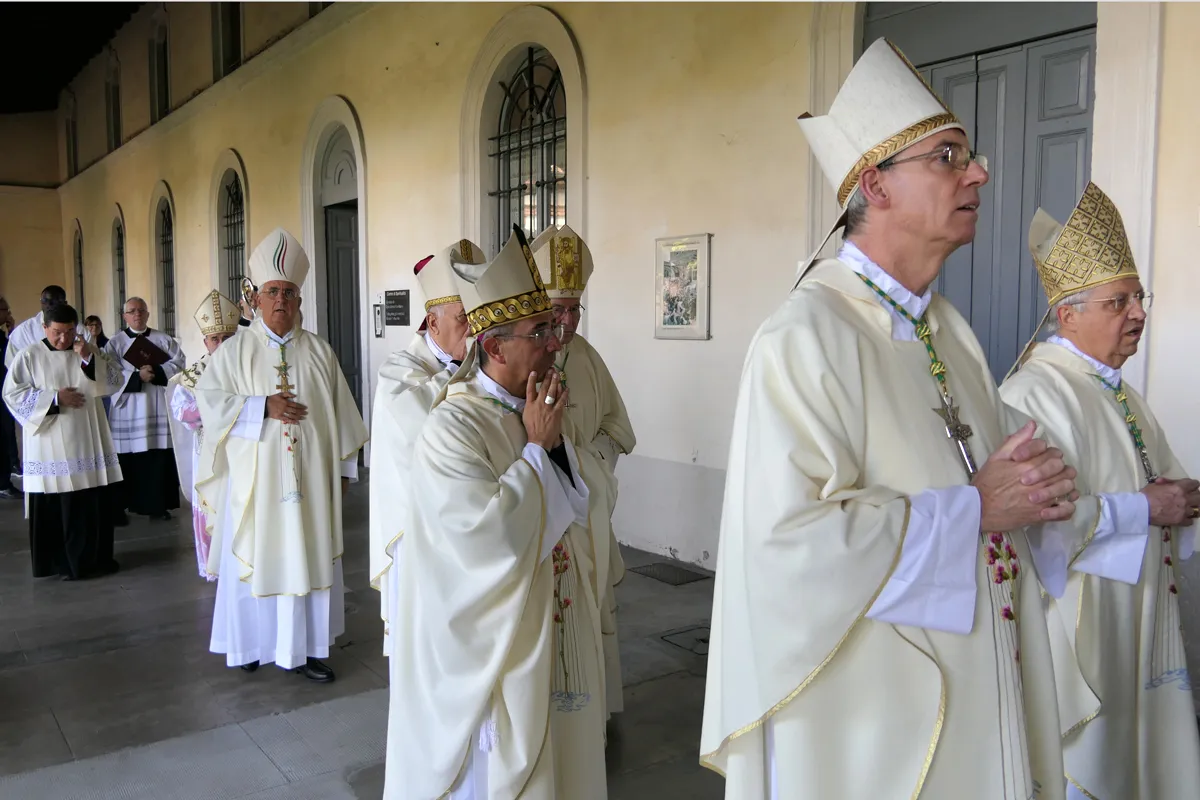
[[529, 150], [78, 261], [118, 250], [226, 38], [160, 74], [165, 250], [112, 103], [231, 214]]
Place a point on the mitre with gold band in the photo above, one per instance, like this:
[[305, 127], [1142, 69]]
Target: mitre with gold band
[[1089, 251], [435, 274], [217, 314], [504, 290], [884, 107], [564, 262]]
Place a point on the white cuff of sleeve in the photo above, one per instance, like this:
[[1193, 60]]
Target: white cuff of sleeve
[[934, 583], [560, 513], [350, 467], [1119, 544], [249, 423]]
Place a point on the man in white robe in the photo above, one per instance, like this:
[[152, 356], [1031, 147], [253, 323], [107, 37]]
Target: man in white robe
[[217, 318], [271, 476], [498, 689], [408, 383], [30, 332], [53, 389], [876, 631], [597, 417], [139, 415], [1125, 699]]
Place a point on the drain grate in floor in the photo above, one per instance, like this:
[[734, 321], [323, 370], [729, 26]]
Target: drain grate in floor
[[693, 639], [669, 573]]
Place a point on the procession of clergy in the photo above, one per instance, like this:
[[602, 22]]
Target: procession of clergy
[[927, 586]]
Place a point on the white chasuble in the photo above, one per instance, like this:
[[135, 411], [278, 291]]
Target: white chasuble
[[280, 489], [72, 449], [497, 669], [187, 438], [808, 697], [140, 419], [409, 381], [1128, 721], [600, 425]]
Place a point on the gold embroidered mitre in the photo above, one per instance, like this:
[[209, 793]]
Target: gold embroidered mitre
[[564, 261], [1090, 250], [217, 314], [884, 106], [506, 289]]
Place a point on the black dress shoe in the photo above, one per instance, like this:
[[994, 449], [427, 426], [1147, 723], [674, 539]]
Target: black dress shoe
[[251, 667], [315, 671]]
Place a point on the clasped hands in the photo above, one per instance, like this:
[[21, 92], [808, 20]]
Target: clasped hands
[[1023, 483]]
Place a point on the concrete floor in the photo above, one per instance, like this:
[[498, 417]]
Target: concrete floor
[[107, 688]]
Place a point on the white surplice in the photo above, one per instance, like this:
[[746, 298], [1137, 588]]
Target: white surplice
[[272, 496], [30, 332], [140, 420], [187, 438], [1125, 695]]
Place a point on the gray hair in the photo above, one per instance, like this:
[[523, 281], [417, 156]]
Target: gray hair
[[129, 300], [857, 205], [491, 333], [1075, 301]]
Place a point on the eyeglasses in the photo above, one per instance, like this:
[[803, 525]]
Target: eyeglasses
[[275, 291], [136, 311], [1118, 304], [953, 154], [573, 311], [539, 337]]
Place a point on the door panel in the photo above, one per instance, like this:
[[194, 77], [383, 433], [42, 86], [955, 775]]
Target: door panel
[[341, 260]]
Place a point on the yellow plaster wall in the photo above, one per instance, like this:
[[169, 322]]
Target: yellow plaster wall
[[264, 22], [29, 149], [132, 46], [190, 31], [30, 246]]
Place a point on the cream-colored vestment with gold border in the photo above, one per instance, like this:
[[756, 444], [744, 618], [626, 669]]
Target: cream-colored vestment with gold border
[[1128, 718], [834, 430]]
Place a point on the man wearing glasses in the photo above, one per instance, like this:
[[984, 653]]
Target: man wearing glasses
[[1122, 683], [497, 664], [270, 477], [598, 421], [876, 630]]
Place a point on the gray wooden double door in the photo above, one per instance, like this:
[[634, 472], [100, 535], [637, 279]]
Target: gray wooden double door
[[1028, 108]]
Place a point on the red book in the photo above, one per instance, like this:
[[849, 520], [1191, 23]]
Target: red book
[[143, 353]]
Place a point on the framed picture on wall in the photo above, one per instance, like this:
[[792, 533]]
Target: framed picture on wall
[[681, 286]]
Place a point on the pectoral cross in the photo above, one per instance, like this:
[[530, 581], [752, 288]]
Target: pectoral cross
[[284, 386], [957, 432]]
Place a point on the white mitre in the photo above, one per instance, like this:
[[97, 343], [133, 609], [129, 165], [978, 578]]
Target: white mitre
[[564, 262], [506, 289], [278, 258], [884, 107], [435, 274], [217, 314]]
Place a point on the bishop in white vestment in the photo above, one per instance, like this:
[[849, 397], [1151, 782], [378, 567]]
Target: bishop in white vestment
[[877, 632], [409, 381], [218, 318], [53, 389], [140, 416], [598, 421], [283, 433], [497, 690], [1125, 696]]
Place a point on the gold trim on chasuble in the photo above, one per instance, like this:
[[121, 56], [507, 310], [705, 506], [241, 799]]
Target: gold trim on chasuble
[[512, 309], [775, 709]]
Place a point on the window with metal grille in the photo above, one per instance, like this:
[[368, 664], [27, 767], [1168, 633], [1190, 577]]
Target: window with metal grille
[[529, 149], [166, 268], [160, 78], [79, 273], [119, 268], [233, 235]]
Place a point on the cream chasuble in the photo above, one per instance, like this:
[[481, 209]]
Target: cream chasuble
[[498, 676], [835, 430], [281, 491], [73, 449], [409, 381], [1128, 720], [601, 426]]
